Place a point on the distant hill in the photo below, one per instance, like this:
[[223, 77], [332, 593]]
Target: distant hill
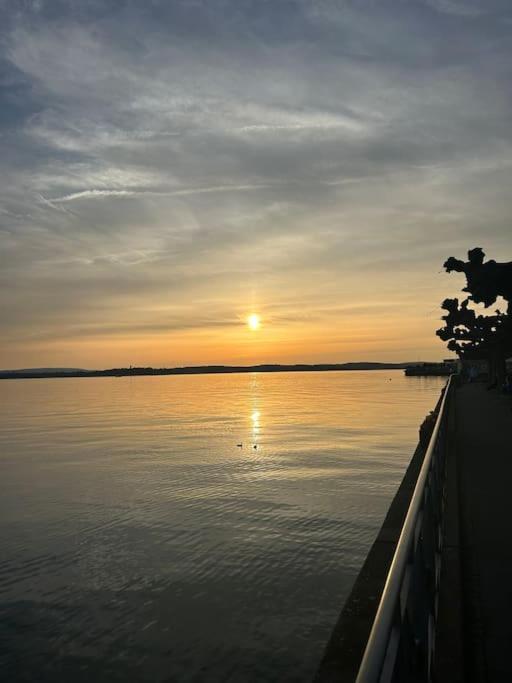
[[38, 373], [41, 371]]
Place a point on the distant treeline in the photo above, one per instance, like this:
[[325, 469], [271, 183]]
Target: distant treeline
[[196, 370]]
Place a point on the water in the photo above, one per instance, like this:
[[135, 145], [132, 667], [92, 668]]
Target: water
[[140, 543]]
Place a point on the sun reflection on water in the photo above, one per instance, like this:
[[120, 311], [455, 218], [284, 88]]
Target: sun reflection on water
[[255, 432]]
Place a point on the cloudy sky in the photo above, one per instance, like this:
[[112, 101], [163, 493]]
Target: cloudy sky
[[168, 168]]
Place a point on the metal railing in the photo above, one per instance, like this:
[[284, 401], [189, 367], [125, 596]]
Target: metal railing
[[401, 643]]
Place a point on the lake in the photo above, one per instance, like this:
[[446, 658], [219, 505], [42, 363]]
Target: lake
[[140, 542]]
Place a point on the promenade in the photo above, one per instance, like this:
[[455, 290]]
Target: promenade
[[483, 439]]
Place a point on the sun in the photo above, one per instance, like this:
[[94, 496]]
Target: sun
[[254, 321]]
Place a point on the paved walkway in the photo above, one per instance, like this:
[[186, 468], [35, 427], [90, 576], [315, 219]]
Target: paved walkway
[[484, 452]]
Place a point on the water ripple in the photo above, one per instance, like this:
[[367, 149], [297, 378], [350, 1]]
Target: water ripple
[[140, 543]]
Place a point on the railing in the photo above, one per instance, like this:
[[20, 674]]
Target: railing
[[401, 643]]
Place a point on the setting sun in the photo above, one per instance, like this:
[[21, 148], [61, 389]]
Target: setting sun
[[253, 321]]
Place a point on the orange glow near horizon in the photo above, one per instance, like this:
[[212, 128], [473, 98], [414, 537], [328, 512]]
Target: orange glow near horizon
[[334, 338], [259, 326]]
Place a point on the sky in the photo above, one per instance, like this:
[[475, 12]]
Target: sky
[[170, 168]]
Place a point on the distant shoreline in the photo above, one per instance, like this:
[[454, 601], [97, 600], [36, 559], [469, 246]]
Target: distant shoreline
[[48, 373]]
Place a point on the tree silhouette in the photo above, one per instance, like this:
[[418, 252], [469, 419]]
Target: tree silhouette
[[474, 336], [485, 281], [467, 332]]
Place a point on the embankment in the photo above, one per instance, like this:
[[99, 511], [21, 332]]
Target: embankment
[[348, 640]]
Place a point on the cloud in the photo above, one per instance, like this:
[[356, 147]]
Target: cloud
[[185, 192], [459, 8], [212, 154]]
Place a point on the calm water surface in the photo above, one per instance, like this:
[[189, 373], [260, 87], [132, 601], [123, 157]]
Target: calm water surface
[[140, 543]]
